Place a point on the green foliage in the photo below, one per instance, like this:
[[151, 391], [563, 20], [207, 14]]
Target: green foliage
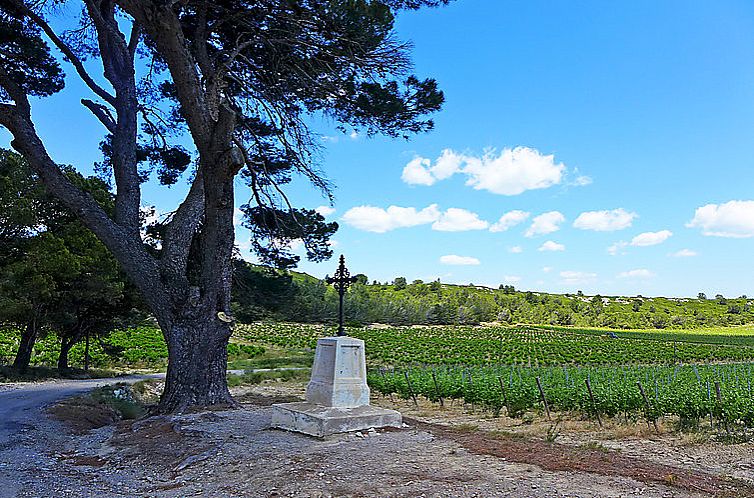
[[120, 397], [399, 283], [26, 61], [55, 275], [33, 374], [258, 377], [687, 392], [264, 294], [243, 351], [141, 346]]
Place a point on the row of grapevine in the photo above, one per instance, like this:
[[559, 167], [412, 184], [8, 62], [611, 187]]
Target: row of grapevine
[[688, 392], [459, 345]]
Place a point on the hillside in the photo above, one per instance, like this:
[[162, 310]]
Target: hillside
[[263, 293]]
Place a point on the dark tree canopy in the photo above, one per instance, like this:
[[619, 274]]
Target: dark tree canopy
[[55, 276], [244, 81]]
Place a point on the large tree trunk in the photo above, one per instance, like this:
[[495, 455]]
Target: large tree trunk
[[198, 358], [197, 335], [26, 347]]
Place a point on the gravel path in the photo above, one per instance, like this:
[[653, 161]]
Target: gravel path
[[27, 435]]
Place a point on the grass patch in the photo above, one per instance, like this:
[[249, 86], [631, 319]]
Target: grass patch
[[466, 428], [251, 378], [103, 406], [121, 398], [274, 358], [503, 434], [148, 392]]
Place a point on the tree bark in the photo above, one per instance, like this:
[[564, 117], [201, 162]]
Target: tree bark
[[26, 347], [86, 353], [65, 348], [196, 373]]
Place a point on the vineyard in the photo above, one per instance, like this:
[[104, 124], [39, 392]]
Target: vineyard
[[527, 346], [515, 370]]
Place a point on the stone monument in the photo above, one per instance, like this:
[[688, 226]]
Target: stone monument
[[337, 397]]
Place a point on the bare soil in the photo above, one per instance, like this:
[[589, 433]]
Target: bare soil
[[453, 451]]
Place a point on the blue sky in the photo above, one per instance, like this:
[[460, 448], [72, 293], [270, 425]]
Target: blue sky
[[619, 137]]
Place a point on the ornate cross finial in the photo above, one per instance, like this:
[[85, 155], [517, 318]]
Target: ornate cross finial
[[341, 281]]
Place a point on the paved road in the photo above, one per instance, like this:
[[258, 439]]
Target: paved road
[[21, 404]]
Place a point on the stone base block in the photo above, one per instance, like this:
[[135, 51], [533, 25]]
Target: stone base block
[[318, 420]]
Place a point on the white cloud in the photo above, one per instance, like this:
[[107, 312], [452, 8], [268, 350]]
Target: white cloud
[[516, 250], [733, 219], [638, 273], [617, 248], [453, 259], [416, 172], [509, 220], [511, 172], [545, 223], [582, 181], [459, 220], [325, 210], [551, 246], [546, 269], [511, 279], [354, 135], [684, 253], [577, 277], [379, 220], [651, 238], [447, 165], [604, 221]]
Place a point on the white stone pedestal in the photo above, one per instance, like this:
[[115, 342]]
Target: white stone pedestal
[[337, 397]]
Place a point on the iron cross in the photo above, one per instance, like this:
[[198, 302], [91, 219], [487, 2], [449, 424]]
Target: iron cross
[[341, 281]]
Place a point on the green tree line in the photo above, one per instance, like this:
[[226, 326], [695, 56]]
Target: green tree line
[[261, 293]]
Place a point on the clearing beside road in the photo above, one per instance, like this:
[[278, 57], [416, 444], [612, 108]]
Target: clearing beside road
[[442, 453]]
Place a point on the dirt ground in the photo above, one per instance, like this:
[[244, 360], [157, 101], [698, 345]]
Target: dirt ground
[[452, 451]]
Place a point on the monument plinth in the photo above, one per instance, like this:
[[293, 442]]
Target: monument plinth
[[337, 397], [339, 373]]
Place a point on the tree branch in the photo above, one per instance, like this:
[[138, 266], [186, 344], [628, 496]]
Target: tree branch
[[133, 41], [16, 93], [102, 113], [128, 250], [66, 50], [163, 26], [179, 232], [120, 72]]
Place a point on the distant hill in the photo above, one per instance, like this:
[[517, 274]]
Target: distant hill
[[262, 293]]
